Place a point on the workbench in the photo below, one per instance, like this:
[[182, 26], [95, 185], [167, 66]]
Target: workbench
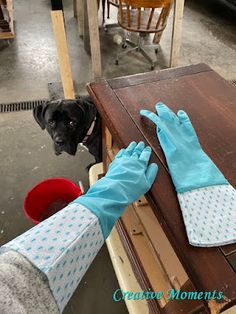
[[152, 230]]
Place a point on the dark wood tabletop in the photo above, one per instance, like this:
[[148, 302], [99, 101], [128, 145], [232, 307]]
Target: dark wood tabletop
[[210, 102]]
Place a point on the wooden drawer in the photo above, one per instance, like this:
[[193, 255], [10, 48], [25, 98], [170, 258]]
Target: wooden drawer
[[152, 257]]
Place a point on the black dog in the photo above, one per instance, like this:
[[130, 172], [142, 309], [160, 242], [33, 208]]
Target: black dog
[[70, 122]]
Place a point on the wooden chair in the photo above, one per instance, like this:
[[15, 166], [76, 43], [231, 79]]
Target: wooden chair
[[111, 2], [143, 17]]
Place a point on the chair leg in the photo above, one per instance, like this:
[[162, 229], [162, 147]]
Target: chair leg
[[138, 47], [147, 57], [103, 11], [108, 9], [126, 40], [131, 43], [139, 41], [121, 54]]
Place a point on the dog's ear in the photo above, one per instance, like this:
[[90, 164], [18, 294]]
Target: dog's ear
[[39, 114], [80, 104], [85, 104]]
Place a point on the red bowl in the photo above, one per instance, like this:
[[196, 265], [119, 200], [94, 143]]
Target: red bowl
[[48, 197]]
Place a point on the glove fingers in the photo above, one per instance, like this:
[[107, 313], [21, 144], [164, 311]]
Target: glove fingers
[[183, 117], [130, 149], [150, 115], [138, 150], [145, 155], [151, 173], [185, 120], [120, 153], [164, 112]]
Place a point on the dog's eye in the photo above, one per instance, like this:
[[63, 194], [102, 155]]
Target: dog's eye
[[72, 124], [52, 123]]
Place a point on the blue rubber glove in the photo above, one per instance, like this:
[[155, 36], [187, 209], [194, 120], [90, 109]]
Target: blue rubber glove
[[189, 165], [207, 200], [128, 177]]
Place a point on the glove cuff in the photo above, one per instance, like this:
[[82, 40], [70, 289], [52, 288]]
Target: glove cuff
[[107, 211], [209, 215]]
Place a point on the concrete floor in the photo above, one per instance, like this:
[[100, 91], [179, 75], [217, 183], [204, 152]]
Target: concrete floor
[[29, 63]]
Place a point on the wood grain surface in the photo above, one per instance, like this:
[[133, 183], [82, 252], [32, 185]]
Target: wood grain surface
[[210, 102]]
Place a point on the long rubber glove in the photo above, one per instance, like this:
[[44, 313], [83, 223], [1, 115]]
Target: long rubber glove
[[128, 177], [207, 200]]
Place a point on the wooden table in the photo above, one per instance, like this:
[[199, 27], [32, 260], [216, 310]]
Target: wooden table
[[92, 10], [90, 21], [6, 19], [163, 260]]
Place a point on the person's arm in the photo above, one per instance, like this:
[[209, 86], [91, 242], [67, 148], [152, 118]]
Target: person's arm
[[24, 289], [64, 245]]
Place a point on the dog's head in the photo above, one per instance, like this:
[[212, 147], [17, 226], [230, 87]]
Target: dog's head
[[65, 122]]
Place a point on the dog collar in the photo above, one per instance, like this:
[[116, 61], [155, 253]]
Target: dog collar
[[90, 131]]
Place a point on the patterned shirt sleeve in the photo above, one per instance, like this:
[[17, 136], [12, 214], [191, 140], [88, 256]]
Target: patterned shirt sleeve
[[62, 247]]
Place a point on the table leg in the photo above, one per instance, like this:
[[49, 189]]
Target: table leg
[[92, 9], [63, 53], [86, 37], [176, 32], [75, 8], [80, 16]]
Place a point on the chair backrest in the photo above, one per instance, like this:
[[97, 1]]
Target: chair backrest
[[144, 20], [146, 3]]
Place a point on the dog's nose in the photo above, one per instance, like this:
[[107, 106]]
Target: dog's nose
[[59, 141]]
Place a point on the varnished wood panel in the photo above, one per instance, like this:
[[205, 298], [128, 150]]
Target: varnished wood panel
[[211, 104]]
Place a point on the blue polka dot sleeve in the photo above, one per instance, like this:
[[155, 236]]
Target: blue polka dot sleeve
[[62, 247]]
